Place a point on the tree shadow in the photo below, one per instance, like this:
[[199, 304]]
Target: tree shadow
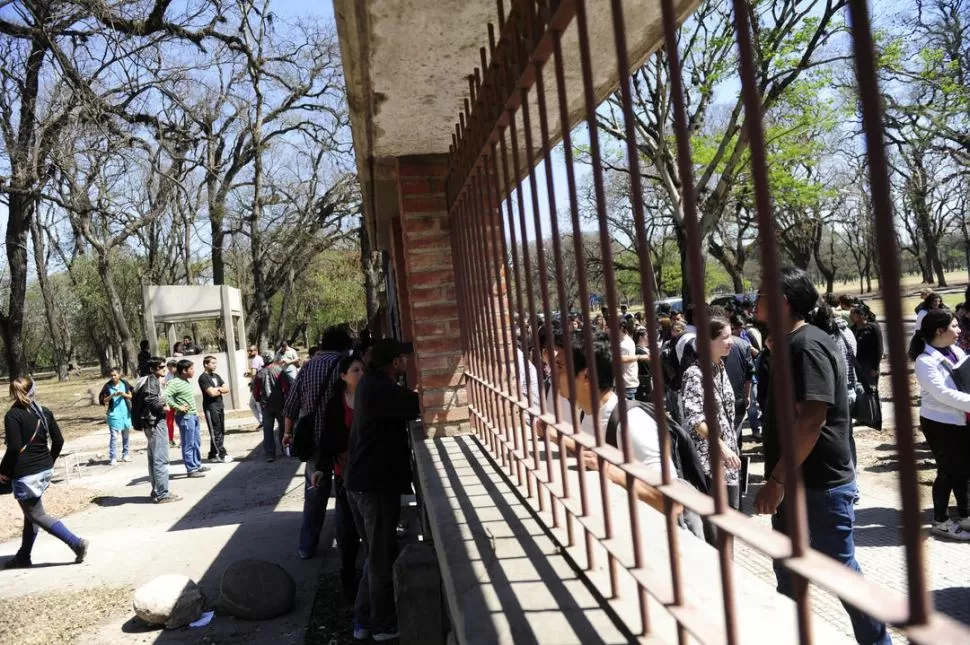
[[954, 602], [111, 500]]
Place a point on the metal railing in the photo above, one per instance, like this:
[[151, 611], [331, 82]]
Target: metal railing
[[493, 170]]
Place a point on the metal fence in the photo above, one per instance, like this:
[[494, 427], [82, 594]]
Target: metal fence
[[493, 170]]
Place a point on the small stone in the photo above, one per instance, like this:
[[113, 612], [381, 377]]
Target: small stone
[[256, 590], [172, 600]]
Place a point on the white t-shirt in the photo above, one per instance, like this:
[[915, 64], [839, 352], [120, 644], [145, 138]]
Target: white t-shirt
[[256, 363], [631, 375], [643, 434], [565, 411]]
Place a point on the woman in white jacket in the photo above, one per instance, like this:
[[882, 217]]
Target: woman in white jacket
[[943, 419]]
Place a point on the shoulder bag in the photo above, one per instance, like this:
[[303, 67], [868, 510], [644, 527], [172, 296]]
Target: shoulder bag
[[6, 487]]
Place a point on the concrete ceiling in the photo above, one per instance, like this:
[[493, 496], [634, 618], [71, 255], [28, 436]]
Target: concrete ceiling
[[407, 63]]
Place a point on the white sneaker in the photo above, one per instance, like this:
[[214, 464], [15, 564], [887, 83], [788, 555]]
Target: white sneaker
[[113, 462], [227, 459], [965, 524], [361, 633], [950, 530], [387, 635], [126, 458]]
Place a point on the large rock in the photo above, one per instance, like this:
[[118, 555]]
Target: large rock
[[256, 590], [172, 600]]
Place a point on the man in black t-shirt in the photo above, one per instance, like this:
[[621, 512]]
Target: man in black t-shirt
[[213, 387], [820, 437]]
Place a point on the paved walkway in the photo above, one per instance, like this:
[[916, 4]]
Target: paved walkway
[[879, 540], [249, 508]]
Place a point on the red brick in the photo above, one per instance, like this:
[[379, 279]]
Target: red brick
[[428, 328], [441, 379], [433, 310], [444, 362], [429, 203], [422, 166], [419, 224], [443, 398], [421, 185], [430, 346], [428, 241], [436, 278], [437, 259]]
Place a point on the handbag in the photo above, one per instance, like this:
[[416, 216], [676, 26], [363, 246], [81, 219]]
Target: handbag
[[6, 488], [304, 429], [867, 411]]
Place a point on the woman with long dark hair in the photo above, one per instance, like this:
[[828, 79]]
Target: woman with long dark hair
[[339, 418], [29, 463], [868, 342], [703, 430], [943, 414]]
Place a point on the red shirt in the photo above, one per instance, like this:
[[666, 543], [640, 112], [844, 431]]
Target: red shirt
[[348, 421]]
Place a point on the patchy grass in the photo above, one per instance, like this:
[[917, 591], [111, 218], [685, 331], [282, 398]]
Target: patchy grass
[[331, 620], [49, 618], [60, 500], [74, 403]]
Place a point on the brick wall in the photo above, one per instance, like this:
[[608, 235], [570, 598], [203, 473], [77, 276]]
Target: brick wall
[[427, 286]]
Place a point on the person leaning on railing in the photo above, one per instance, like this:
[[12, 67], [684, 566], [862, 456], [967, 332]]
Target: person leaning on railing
[[642, 427], [943, 414], [820, 439]]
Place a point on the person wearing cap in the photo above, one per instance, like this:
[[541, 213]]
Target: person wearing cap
[[378, 472]]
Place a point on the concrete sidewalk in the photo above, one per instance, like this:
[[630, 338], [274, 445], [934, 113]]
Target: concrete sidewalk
[[246, 509]]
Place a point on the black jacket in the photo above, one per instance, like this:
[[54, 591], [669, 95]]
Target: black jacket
[[335, 438], [869, 347], [380, 457], [19, 424]]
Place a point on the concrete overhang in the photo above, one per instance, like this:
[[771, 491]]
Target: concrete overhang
[[407, 64]]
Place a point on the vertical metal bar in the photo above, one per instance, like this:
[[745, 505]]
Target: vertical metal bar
[[581, 275], [780, 358], [647, 281], [526, 426], [882, 208], [610, 280], [560, 294], [541, 260]]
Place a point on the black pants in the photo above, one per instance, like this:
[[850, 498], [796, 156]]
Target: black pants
[[376, 516], [950, 445], [215, 419], [348, 539], [733, 500]]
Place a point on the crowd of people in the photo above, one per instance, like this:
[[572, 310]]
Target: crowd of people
[[349, 398], [834, 364]]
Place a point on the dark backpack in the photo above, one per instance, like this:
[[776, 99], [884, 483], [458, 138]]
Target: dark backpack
[[682, 450], [673, 369], [142, 417]]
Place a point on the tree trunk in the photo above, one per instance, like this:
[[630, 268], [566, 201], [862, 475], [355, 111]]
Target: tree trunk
[[685, 289], [58, 342], [21, 212], [370, 264], [125, 342], [218, 244], [285, 307]]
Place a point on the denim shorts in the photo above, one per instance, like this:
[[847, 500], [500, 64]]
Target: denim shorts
[[32, 486]]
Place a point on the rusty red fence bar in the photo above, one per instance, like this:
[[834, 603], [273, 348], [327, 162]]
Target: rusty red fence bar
[[497, 256]]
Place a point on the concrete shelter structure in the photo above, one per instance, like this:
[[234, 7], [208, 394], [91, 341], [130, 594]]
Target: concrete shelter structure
[[169, 305]]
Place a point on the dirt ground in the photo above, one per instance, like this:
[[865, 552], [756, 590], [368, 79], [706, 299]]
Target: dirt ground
[[58, 617]]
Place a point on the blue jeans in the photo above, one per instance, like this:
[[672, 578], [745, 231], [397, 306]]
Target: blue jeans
[[314, 510], [112, 449], [831, 516], [754, 413], [191, 440], [157, 437], [631, 393]]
